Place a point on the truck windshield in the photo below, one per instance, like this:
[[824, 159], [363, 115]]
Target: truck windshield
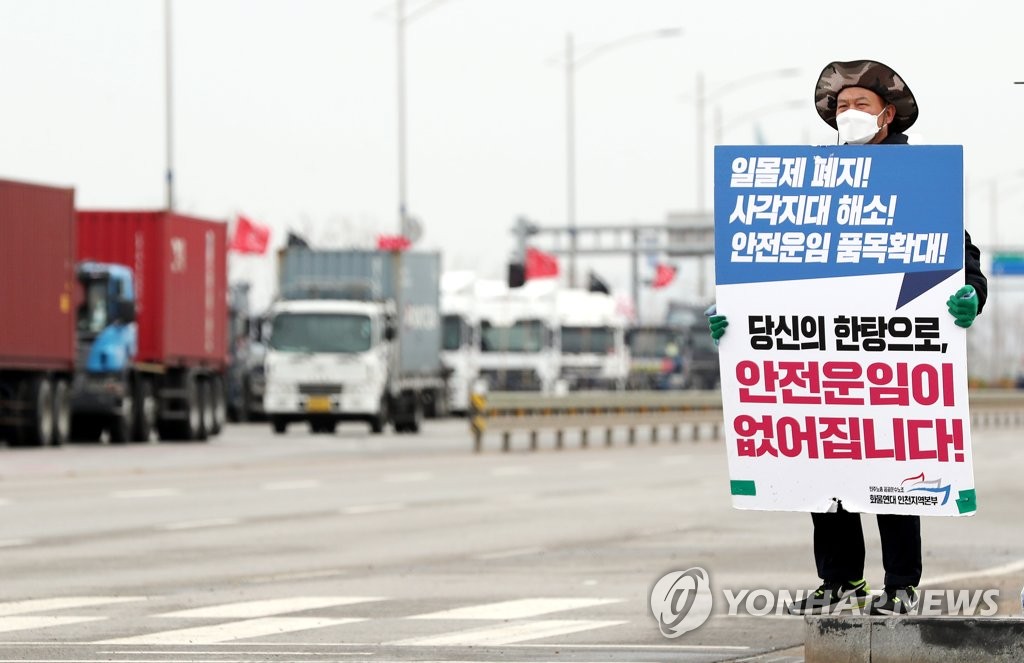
[[587, 340], [523, 336], [93, 314], [650, 342], [451, 335], [321, 332]]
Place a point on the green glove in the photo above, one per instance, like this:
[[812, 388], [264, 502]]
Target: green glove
[[717, 323], [963, 305]]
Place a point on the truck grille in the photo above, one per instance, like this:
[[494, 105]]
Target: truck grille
[[512, 380], [319, 389]]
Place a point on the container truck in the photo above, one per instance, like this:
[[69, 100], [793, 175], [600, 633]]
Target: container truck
[[152, 334], [354, 336], [37, 298]]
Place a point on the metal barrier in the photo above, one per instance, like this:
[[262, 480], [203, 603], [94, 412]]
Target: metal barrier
[[510, 412], [507, 412]]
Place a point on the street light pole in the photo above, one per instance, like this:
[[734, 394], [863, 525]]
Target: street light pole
[[570, 153], [169, 107], [572, 63], [400, 77], [702, 100]]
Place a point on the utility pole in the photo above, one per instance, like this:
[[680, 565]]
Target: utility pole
[[400, 76], [570, 153], [169, 101]]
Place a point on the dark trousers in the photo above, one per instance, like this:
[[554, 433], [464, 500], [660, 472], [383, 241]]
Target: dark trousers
[[839, 547]]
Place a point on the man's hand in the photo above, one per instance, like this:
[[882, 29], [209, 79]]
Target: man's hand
[[717, 323], [963, 305]]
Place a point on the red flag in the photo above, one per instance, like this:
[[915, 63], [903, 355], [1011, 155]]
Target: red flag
[[663, 275], [540, 265], [393, 243], [249, 237]]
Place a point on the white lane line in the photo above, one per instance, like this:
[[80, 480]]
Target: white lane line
[[14, 543], [508, 633], [222, 652], [249, 628], [514, 471], [517, 609], [503, 554], [4, 501], [144, 493], [298, 484], [595, 465], [408, 477], [40, 621], [299, 575], [360, 509], [269, 607], [199, 524], [61, 603], [1003, 569]]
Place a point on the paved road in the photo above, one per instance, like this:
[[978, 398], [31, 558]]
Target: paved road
[[412, 548]]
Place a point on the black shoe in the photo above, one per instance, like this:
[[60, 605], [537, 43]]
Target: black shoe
[[895, 601], [832, 596]]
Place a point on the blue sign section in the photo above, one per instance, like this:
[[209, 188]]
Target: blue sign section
[[792, 212]]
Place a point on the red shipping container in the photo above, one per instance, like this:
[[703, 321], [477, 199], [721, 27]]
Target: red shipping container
[[180, 266], [37, 277]]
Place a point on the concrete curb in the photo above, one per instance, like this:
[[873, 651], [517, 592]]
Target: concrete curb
[[857, 639]]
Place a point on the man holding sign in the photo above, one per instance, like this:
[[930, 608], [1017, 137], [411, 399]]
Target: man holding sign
[[845, 390]]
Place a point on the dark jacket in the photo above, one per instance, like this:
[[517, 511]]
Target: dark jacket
[[972, 255]]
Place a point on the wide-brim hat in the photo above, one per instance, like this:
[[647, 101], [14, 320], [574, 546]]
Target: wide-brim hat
[[871, 75]]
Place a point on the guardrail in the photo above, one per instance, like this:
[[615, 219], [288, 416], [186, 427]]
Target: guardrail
[[511, 412], [508, 412]]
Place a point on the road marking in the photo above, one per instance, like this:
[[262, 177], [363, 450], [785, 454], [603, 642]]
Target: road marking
[[269, 607], [408, 477], [595, 465], [40, 621], [232, 652], [298, 484], [4, 502], [514, 471], [249, 628], [13, 543], [518, 609], [199, 524], [61, 603], [1003, 569], [301, 575], [517, 552], [508, 633], [144, 493], [371, 508]]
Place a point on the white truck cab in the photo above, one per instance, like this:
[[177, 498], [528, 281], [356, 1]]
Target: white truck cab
[[328, 361], [460, 337], [592, 333]]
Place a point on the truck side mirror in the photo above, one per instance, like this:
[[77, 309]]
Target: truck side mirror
[[126, 311], [389, 331]]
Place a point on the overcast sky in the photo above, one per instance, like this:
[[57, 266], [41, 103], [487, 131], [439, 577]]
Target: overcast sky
[[285, 110]]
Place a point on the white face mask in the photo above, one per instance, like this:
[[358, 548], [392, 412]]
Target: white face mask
[[857, 127]]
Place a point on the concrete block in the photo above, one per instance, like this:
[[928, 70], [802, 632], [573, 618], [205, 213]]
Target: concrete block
[[838, 639]]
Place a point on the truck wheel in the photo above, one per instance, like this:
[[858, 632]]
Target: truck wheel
[[61, 413], [279, 424], [378, 423], [37, 430], [145, 411], [220, 410], [191, 428], [121, 422], [205, 409], [415, 420]]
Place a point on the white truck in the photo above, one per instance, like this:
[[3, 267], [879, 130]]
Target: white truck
[[460, 337], [355, 336], [594, 354], [519, 346]]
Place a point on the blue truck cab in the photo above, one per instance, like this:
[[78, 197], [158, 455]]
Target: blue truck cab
[[107, 343]]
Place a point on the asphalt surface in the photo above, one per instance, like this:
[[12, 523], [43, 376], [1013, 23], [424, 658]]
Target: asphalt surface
[[351, 547]]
